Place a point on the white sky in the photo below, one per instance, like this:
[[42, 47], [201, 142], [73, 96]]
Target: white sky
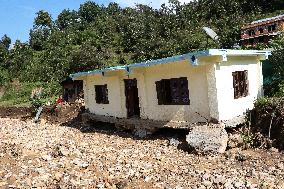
[[153, 3]]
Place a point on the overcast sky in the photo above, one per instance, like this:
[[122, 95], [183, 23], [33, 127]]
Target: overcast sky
[[17, 16]]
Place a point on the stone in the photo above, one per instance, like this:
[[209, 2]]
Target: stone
[[207, 183], [46, 157], [235, 140], [219, 179], [206, 176], [58, 176], [147, 179], [142, 133], [280, 166], [240, 157], [2, 184], [239, 184], [84, 165], [76, 161], [100, 186], [112, 159], [212, 138], [272, 149], [121, 184], [174, 142]]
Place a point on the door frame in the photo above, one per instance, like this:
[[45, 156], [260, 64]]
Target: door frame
[[131, 88]]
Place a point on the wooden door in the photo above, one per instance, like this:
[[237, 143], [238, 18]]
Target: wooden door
[[132, 98]]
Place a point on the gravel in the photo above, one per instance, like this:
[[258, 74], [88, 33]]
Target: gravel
[[49, 155]]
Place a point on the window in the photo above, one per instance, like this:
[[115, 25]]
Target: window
[[251, 41], [271, 28], [261, 39], [240, 84], [173, 91], [251, 32], [260, 30], [101, 94]]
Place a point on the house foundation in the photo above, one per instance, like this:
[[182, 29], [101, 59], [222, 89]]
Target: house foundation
[[150, 126], [137, 123]]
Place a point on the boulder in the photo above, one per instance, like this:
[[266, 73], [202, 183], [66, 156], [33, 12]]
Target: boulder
[[235, 140], [208, 138], [142, 133]]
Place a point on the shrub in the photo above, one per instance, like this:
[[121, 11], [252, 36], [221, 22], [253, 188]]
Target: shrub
[[21, 93], [4, 76], [268, 118]]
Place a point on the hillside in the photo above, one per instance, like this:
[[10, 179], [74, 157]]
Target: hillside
[[95, 36]]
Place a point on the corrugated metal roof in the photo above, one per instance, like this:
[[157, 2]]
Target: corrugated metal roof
[[268, 19]]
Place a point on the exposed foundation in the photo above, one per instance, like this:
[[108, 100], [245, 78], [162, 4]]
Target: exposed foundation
[[151, 125], [137, 123]]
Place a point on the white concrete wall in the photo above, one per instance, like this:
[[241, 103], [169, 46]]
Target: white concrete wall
[[114, 95], [149, 108], [228, 107], [197, 84], [211, 91]]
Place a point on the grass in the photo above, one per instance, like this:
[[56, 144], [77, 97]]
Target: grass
[[19, 94], [12, 103]]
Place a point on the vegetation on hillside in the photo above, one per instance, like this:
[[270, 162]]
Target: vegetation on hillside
[[96, 36]]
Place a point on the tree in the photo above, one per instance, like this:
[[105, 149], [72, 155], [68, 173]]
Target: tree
[[6, 41], [41, 30], [19, 58], [89, 11], [88, 57], [68, 18], [43, 20], [95, 36], [4, 54]]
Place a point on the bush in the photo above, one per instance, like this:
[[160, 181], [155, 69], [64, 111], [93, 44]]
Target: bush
[[280, 90], [268, 118], [4, 77], [20, 93], [274, 73]]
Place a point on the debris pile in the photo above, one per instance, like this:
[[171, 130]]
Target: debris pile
[[49, 155]]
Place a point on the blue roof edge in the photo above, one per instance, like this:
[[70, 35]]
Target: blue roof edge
[[192, 57]]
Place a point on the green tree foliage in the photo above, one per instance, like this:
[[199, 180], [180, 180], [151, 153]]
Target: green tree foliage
[[4, 54], [95, 36], [20, 56], [274, 68], [43, 19], [41, 31], [6, 41], [69, 19], [277, 60], [274, 82], [89, 11]]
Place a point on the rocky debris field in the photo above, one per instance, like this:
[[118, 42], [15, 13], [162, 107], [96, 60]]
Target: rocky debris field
[[47, 155]]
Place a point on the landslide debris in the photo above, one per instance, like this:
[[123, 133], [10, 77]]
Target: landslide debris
[[51, 155]]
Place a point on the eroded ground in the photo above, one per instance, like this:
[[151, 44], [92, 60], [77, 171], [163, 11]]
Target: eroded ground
[[47, 155]]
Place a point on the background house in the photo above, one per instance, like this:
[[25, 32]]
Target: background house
[[72, 90], [215, 84], [261, 31]]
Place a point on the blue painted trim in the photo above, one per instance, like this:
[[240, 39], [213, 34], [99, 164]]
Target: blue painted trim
[[79, 74], [191, 57], [187, 56]]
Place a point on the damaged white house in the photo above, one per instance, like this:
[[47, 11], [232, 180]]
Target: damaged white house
[[213, 85]]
